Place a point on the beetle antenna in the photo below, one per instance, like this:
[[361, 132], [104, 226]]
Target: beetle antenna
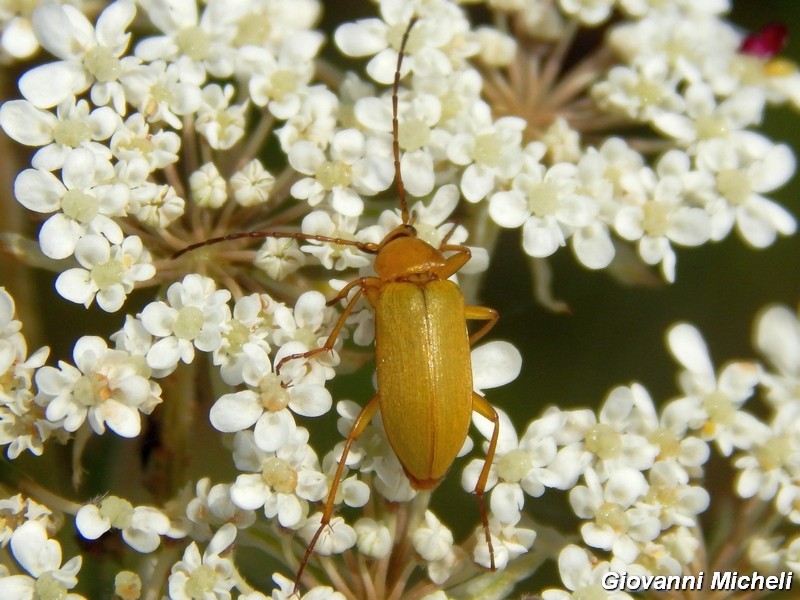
[[401, 190], [367, 247]]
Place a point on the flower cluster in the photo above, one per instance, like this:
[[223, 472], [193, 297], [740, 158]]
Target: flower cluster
[[168, 136]]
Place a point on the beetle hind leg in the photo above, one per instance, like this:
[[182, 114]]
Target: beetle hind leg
[[359, 425], [481, 406]]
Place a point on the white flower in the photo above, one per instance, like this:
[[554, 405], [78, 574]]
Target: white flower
[[155, 205], [17, 510], [286, 591], [158, 92], [508, 542], [209, 188], [777, 336], [371, 453], [432, 540], [336, 537], [712, 403], [134, 139], [195, 43], [85, 201], [420, 138], [244, 354], [511, 466], [644, 91], [283, 482], [620, 523], [745, 166], [435, 43], [73, 126], [582, 574], [280, 81], [548, 206], [22, 423], [109, 273], [705, 118], [669, 437], [332, 256], [306, 328], [614, 440], [210, 576], [588, 12], [41, 558], [267, 409], [676, 502], [107, 387], [17, 38], [357, 165], [219, 121], [192, 318], [212, 506], [141, 526], [279, 258], [492, 149], [252, 184], [663, 217], [87, 54], [374, 538]]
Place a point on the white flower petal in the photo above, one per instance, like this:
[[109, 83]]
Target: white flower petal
[[235, 412], [494, 364], [476, 182], [506, 502], [689, 348], [58, 236], [417, 170], [593, 247], [76, 286], [346, 201], [26, 124], [122, 419], [310, 400], [33, 550], [38, 190], [508, 208], [362, 38], [50, 84], [273, 429]]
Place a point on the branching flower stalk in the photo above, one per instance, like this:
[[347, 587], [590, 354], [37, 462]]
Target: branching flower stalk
[[612, 127]]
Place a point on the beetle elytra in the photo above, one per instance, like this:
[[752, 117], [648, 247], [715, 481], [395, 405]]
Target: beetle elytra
[[422, 348]]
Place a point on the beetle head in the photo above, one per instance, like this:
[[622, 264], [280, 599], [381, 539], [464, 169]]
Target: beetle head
[[403, 255]]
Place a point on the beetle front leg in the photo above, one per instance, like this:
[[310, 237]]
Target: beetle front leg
[[481, 406], [453, 263], [359, 425]]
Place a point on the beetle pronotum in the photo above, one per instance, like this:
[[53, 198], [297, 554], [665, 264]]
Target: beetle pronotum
[[422, 348]]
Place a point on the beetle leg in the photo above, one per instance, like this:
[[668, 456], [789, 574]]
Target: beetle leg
[[361, 282], [359, 425], [453, 263], [481, 313], [448, 235], [328, 345], [481, 406]]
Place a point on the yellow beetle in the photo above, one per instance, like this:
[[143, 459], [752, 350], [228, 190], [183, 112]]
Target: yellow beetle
[[422, 349]]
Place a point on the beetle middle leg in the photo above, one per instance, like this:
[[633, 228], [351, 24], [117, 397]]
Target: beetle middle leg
[[481, 313], [359, 425], [481, 406]]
